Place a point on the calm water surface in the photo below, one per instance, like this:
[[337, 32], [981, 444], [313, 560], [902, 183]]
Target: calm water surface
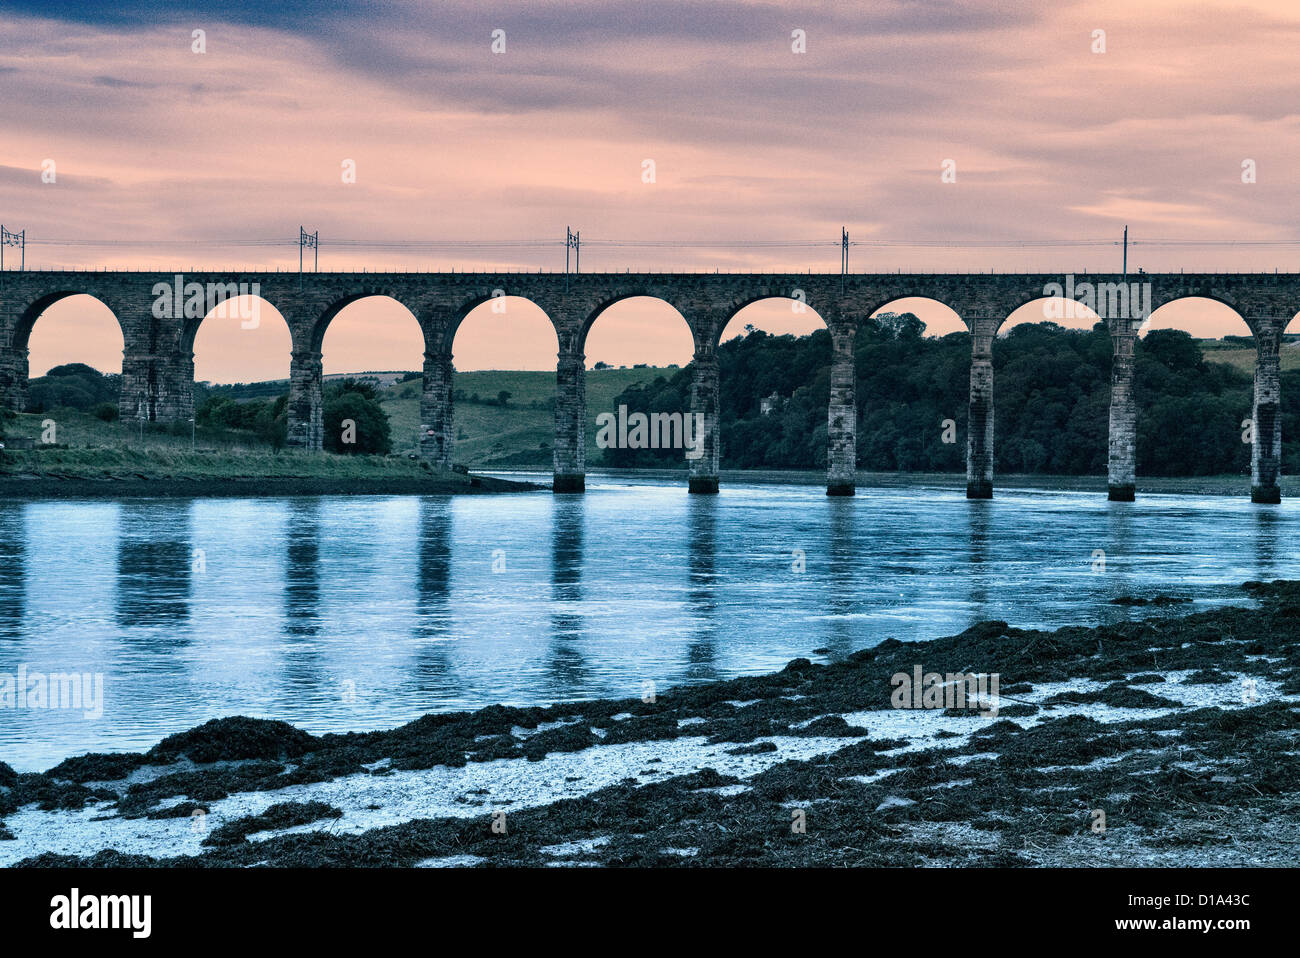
[[350, 613]]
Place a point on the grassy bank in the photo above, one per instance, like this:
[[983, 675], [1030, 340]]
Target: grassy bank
[[169, 462], [98, 459]]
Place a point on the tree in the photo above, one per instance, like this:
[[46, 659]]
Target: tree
[[267, 419], [369, 430], [72, 386]]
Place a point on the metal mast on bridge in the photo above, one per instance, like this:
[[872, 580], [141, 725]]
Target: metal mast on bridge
[[308, 241], [8, 238], [844, 257], [572, 241]]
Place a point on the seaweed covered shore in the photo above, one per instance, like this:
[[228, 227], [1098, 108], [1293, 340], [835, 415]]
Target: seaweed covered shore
[[1174, 740]]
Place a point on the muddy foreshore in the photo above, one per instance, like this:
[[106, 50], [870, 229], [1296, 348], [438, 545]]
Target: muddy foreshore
[[1182, 729], [69, 487]]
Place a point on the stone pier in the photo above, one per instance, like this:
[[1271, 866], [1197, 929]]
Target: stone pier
[[842, 416], [1266, 452], [437, 413], [570, 453], [157, 378], [13, 376], [306, 410], [1121, 469], [979, 424], [704, 402]]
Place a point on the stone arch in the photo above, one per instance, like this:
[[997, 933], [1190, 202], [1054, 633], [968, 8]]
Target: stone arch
[[34, 310], [1180, 427], [1171, 294], [190, 326], [244, 309], [589, 321], [448, 331], [707, 387], [799, 307], [1151, 322], [947, 321], [876, 300], [15, 366], [1041, 400], [1058, 310], [316, 337], [382, 301]]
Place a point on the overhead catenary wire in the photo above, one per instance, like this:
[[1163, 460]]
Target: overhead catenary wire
[[739, 244]]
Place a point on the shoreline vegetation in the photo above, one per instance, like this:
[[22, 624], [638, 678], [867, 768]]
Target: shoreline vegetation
[[173, 470], [1168, 740], [169, 472], [111, 474]]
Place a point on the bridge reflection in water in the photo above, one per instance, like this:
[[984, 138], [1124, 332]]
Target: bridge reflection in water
[[365, 612]]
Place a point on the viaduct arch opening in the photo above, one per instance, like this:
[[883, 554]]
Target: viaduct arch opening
[[766, 402], [1052, 368], [67, 353], [637, 351], [488, 388], [240, 342], [1198, 345], [375, 341], [912, 365]]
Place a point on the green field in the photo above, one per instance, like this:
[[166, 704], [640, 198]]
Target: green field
[[90, 449], [1243, 357], [520, 434]]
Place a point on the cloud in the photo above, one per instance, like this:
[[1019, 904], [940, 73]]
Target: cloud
[[177, 151]]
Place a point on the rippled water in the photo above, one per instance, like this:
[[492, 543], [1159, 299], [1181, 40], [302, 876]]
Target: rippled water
[[344, 613]]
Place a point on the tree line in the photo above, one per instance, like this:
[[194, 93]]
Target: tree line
[[1051, 402]]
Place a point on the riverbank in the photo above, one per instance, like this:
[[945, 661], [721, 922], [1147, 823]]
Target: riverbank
[[1167, 741], [124, 473], [1154, 485], [46, 487]]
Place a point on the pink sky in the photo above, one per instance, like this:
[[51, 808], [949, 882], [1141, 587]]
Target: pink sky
[[176, 151]]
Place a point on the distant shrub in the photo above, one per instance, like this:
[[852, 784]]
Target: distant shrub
[[267, 419], [358, 402], [72, 386]]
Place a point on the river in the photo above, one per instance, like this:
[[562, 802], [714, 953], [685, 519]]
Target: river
[[357, 613]]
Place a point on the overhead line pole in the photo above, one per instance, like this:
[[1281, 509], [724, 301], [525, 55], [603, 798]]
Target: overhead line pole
[[844, 257], [8, 238], [308, 241]]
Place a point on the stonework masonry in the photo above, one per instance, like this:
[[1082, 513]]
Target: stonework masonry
[[158, 357], [1121, 474]]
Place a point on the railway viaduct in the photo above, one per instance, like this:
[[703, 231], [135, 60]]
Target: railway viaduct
[[158, 357]]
